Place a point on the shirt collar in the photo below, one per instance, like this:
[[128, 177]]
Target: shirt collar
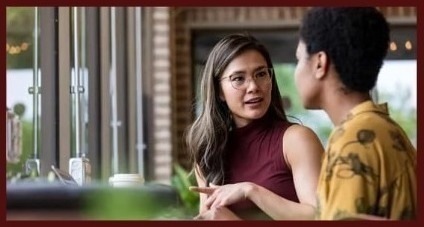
[[370, 106]]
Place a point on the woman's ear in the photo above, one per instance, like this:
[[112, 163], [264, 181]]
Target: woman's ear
[[322, 64]]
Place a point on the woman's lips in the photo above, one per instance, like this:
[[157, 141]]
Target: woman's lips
[[254, 100]]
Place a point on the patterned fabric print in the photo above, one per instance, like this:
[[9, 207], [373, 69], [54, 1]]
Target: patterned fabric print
[[350, 164], [369, 168]]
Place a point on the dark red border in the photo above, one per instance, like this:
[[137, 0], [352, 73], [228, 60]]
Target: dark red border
[[3, 103], [210, 3], [181, 3]]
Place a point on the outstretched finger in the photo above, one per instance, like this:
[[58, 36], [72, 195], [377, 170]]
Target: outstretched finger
[[210, 200], [206, 190]]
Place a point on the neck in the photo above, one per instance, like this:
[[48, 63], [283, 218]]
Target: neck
[[338, 106]]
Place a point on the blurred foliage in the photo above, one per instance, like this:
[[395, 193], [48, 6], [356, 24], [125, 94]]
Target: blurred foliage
[[19, 29], [285, 79], [182, 180], [129, 204], [401, 111]]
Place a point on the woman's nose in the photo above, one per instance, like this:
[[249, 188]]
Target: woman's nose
[[251, 85]]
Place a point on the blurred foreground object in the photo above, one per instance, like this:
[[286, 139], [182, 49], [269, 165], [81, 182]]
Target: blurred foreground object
[[13, 137]]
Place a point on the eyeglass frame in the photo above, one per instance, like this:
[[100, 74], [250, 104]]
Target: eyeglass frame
[[270, 72]]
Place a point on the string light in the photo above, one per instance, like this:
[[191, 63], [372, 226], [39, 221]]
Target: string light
[[24, 46], [408, 45], [393, 46], [16, 49]]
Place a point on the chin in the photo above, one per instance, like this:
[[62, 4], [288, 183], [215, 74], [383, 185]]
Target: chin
[[256, 115]]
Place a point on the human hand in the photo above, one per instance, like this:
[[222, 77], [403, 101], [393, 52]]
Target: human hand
[[218, 213], [224, 195]]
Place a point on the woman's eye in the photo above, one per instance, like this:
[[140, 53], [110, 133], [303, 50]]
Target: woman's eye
[[261, 74], [237, 78]]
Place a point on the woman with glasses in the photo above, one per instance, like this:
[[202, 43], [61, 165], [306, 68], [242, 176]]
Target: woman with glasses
[[250, 161]]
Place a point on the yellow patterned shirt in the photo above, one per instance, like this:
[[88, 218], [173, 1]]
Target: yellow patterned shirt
[[369, 168]]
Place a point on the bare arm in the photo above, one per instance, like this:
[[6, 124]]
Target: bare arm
[[303, 153]]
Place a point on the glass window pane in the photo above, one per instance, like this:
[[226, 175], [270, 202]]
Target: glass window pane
[[20, 49]]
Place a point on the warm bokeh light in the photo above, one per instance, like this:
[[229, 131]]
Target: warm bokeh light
[[408, 45], [11, 49], [393, 46], [24, 46]]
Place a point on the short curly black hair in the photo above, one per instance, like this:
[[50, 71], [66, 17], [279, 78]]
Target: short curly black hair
[[356, 40]]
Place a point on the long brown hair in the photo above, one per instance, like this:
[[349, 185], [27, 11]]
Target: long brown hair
[[207, 137]]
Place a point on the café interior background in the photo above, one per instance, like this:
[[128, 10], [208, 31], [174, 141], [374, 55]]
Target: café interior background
[[118, 84]]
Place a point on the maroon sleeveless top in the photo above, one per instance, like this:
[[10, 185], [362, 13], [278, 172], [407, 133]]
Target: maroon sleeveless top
[[254, 154]]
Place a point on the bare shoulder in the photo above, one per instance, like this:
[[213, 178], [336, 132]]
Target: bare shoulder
[[299, 132], [299, 140]]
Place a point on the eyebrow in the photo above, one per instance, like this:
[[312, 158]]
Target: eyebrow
[[244, 71]]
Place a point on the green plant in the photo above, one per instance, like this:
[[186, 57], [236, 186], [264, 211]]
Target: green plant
[[182, 180]]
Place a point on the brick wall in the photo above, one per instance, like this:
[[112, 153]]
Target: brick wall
[[161, 76]]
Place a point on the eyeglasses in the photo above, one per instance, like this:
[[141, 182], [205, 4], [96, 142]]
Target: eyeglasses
[[239, 81]]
